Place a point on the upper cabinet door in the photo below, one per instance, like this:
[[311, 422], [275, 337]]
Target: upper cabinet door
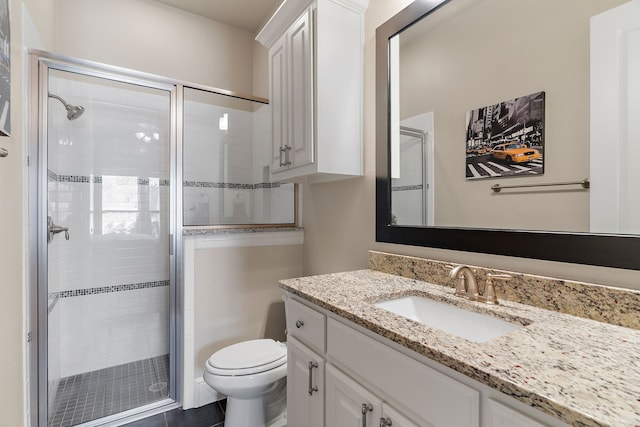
[[300, 66], [278, 101]]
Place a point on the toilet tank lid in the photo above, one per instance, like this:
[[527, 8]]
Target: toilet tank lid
[[248, 354]]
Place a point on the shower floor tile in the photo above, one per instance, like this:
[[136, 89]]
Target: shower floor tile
[[92, 395]]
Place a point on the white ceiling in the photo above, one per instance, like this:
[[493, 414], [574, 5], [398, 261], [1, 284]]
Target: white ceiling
[[249, 15]]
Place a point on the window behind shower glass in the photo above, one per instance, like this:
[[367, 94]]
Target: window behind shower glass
[[226, 158]]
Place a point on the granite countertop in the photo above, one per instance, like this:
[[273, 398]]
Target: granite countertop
[[583, 372]]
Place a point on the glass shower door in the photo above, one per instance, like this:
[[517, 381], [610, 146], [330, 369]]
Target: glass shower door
[[109, 274]]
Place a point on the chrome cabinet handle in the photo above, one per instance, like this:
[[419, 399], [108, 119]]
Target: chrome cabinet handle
[[299, 324], [285, 150], [384, 422], [366, 407], [312, 388]]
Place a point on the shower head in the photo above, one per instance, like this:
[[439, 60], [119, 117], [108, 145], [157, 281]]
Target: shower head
[[73, 111]]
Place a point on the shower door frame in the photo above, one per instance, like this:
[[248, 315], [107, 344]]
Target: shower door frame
[[40, 63]]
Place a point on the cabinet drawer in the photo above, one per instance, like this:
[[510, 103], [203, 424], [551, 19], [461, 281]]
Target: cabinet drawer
[[436, 398], [306, 324]]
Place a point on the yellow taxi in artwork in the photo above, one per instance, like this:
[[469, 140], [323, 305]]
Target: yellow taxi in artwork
[[514, 152]]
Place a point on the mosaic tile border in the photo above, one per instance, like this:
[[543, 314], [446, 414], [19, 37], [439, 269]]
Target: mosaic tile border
[[207, 184], [83, 179], [407, 187], [606, 304], [107, 289]]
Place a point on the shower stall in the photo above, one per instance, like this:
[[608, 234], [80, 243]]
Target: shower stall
[[106, 270], [122, 162]]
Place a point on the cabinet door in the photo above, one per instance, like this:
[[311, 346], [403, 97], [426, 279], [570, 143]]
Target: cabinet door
[[394, 418], [347, 402], [300, 91], [304, 409], [278, 101]]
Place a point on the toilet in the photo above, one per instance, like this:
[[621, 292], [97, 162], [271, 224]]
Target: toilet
[[252, 374]]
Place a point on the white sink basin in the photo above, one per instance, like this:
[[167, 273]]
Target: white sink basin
[[457, 321]]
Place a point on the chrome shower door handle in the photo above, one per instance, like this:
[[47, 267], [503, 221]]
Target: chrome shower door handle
[[366, 407], [312, 388]]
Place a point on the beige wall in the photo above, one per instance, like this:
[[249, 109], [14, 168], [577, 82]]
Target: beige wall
[[147, 36], [237, 296], [13, 309], [340, 217]]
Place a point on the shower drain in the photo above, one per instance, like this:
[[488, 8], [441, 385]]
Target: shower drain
[[158, 386]]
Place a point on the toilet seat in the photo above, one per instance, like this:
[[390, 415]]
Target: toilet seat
[[247, 358]]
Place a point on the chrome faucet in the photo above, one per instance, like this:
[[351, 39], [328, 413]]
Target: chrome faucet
[[467, 285]]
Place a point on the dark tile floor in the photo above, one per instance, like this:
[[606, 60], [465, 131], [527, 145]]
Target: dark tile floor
[[211, 415], [97, 394]]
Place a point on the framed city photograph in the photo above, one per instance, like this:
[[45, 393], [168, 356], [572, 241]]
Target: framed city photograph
[[506, 139], [5, 70]]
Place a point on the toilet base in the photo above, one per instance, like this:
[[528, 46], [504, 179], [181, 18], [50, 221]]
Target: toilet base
[[244, 412], [267, 410]]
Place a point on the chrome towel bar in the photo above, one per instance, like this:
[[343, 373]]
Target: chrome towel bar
[[585, 183]]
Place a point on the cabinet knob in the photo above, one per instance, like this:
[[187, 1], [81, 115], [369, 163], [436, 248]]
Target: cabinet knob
[[384, 422], [299, 324]]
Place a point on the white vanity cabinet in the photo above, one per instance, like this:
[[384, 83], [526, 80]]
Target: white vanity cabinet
[[305, 386], [316, 52], [305, 365], [336, 367], [349, 404]]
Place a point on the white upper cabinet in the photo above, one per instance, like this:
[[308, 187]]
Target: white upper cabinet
[[316, 60]]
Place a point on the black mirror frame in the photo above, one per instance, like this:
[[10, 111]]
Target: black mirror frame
[[617, 251]]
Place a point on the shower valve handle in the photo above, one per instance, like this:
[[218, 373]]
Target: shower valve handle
[[55, 229]]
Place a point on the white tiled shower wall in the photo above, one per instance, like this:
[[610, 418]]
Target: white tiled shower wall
[[226, 172], [111, 190]]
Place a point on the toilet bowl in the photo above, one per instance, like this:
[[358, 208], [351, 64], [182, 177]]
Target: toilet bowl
[[252, 374]]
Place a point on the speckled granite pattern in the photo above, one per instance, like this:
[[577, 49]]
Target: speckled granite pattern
[[602, 303], [583, 372], [208, 231]]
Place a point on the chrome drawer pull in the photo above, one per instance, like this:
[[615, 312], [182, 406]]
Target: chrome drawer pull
[[311, 387], [366, 407], [299, 324]]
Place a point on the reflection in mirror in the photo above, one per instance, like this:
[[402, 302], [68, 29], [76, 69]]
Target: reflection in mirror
[[440, 59], [467, 55], [412, 178]]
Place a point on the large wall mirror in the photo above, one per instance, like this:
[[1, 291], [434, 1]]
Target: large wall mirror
[[507, 127]]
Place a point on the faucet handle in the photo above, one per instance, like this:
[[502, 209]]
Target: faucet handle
[[489, 290]]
